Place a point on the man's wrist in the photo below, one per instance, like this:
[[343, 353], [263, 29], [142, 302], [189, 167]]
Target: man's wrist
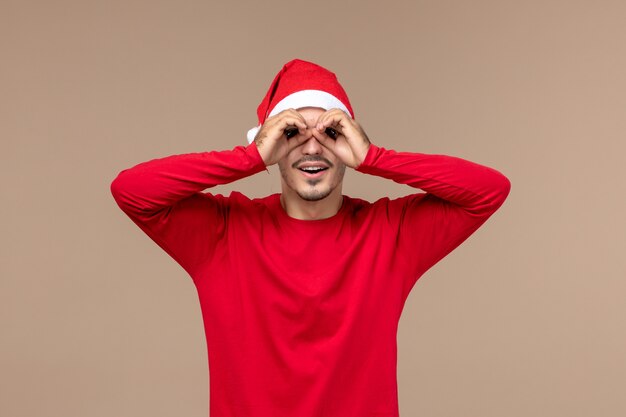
[[255, 152], [366, 156]]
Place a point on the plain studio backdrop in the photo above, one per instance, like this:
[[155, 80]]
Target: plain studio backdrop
[[525, 318]]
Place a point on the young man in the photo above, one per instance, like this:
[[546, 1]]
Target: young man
[[301, 292]]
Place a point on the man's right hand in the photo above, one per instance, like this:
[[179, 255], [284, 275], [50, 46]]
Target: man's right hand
[[280, 134]]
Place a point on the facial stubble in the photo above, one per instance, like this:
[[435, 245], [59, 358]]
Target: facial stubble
[[313, 195]]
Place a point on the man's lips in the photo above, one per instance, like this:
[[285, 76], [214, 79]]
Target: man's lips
[[313, 165], [308, 161], [313, 170]]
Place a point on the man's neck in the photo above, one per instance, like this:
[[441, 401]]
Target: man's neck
[[301, 209]]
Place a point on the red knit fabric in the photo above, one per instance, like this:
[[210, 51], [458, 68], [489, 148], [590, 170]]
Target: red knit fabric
[[297, 75], [301, 316]]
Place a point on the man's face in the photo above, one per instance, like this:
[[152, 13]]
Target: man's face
[[311, 185]]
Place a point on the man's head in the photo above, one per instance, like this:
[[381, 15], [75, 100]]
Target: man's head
[[311, 171], [310, 89]]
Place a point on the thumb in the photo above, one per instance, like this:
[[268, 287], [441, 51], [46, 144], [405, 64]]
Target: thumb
[[296, 141], [325, 140]]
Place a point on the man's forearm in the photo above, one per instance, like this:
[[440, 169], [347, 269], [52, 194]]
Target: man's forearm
[[159, 183], [476, 188]]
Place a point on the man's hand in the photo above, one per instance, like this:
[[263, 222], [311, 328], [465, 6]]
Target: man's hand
[[280, 134], [343, 136]]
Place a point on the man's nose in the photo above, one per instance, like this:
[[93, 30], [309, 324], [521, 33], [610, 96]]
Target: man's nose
[[311, 145]]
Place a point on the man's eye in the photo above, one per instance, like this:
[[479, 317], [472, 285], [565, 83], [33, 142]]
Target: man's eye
[[291, 132], [331, 132]]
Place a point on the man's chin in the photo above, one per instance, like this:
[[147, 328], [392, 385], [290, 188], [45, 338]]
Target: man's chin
[[314, 195]]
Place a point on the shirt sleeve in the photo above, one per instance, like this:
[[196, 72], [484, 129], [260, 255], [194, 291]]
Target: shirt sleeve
[[459, 197], [164, 198]]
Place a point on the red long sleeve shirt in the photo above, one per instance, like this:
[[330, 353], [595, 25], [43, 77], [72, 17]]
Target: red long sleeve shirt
[[301, 316]]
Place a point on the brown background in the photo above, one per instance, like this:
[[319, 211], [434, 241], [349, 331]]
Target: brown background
[[526, 318]]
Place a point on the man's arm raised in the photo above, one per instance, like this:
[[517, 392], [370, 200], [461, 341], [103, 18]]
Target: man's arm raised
[[460, 195], [163, 197]]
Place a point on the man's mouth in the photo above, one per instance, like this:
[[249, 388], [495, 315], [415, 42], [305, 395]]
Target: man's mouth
[[313, 171]]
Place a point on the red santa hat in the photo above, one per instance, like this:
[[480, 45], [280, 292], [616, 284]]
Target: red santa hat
[[301, 84]]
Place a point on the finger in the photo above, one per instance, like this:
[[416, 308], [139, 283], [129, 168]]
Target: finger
[[296, 141], [329, 129], [303, 125], [320, 121], [324, 140], [297, 114], [332, 119], [293, 120], [288, 114]]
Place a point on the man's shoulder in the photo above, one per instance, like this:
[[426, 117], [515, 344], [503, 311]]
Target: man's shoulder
[[239, 199], [385, 207], [384, 201]]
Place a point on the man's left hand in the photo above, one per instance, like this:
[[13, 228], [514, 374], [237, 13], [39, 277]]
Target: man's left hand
[[345, 137]]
